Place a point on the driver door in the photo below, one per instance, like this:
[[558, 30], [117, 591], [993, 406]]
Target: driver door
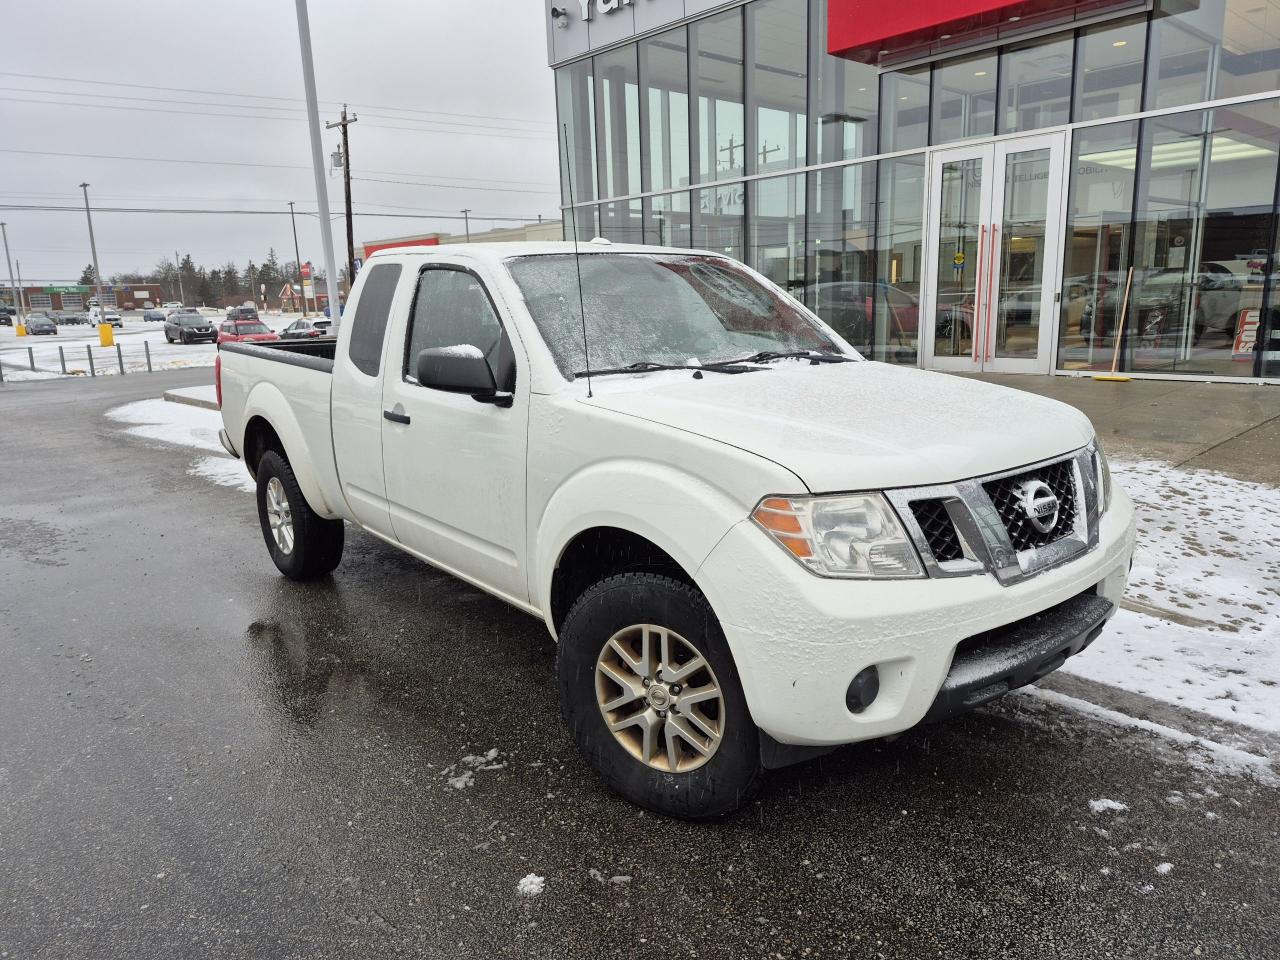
[[455, 467]]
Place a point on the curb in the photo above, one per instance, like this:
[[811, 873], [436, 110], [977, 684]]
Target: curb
[[177, 396]]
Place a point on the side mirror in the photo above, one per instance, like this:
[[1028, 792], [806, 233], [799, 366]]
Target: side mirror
[[460, 369]]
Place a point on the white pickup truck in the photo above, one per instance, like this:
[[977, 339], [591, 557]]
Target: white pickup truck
[[751, 544]]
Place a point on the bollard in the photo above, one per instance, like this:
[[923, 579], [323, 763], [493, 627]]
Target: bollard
[[31, 359], [120, 359], [89, 350], [62, 359], [147, 348], [1, 371]]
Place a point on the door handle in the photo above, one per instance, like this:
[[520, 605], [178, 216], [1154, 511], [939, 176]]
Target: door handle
[[988, 334], [977, 295], [395, 417]]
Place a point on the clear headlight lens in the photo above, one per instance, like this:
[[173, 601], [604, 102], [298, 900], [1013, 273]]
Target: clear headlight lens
[[856, 536], [1104, 475]]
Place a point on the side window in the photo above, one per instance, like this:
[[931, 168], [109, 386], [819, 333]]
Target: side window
[[451, 308], [369, 324]]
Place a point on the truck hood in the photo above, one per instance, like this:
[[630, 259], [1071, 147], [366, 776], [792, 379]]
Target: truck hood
[[857, 426]]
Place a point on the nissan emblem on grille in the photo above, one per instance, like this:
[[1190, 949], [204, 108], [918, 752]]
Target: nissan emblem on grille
[[1039, 504]]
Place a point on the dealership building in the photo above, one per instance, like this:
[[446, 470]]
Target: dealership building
[[979, 185]]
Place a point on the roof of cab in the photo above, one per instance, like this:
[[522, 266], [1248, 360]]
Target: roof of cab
[[502, 251]]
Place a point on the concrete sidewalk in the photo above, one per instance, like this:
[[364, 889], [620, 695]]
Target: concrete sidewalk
[[1232, 428]]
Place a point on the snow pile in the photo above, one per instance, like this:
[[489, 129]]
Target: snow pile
[[1206, 585], [1164, 868], [531, 885], [1104, 804], [181, 424]]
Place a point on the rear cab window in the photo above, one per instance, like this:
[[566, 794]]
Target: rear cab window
[[369, 322]]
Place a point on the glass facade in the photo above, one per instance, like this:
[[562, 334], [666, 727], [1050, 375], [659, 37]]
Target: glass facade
[[741, 134]]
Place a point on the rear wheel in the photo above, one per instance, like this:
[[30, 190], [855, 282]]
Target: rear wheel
[[303, 544], [651, 695]]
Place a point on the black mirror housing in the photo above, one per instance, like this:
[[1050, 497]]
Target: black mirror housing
[[458, 369]]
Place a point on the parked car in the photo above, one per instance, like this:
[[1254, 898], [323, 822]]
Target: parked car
[[75, 317], [300, 329], [172, 305], [722, 603], [238, 331], [242, 313], [189, 328], [849, 307], [152, 314], [324, 326], [6, 315], [40, 324], [98, 315]]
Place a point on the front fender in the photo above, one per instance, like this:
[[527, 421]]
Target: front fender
[[682, 514], [267, 401]]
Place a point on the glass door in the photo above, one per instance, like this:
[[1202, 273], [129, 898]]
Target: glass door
[[995, 244]]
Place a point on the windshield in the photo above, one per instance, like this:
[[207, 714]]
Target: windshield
[[190, 321], [657, 308], [251, 327]]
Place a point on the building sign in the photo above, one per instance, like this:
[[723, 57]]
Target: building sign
[[871, 30], [71, 289], [589, 7]]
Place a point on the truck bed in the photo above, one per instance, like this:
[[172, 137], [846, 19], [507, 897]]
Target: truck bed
[[314, 354]]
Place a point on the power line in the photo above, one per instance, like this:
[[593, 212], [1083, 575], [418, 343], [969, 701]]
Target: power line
[[260, 96], [265, 166], [506, 133], [412, 183], [51, 208]]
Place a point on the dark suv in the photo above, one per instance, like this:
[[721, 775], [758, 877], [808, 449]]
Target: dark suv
[[242, 313], [189, 328]]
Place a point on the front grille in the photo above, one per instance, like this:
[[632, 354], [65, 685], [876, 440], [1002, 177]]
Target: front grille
[[939, 532], [1060, 478]]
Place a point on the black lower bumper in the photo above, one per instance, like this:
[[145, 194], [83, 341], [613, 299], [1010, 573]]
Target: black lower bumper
[[991, 664]]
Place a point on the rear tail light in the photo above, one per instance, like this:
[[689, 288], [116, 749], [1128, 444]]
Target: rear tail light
[[217, 379]]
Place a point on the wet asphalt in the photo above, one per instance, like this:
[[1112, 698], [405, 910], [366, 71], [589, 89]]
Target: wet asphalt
[[199, 758]]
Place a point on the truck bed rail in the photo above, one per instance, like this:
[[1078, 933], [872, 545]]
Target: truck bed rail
[[313, 354]]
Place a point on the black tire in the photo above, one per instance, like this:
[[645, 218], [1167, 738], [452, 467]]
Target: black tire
[[733, 772], [168, 339], [317, 542]]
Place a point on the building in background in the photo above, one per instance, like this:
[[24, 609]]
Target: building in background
[[542, 230], [961, 187], [73, 297]]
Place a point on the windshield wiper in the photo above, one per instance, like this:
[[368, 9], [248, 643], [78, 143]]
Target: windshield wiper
[[764, 356], [644, 366]]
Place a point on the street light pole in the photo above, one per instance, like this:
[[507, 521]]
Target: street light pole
[[466, 221], [93, 248], [17, 300], [297, 258], [317, 162], [21, 294]]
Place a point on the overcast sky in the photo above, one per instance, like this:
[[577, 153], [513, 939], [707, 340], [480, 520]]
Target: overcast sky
[[455, 97]]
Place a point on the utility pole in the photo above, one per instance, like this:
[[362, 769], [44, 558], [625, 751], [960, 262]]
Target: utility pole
[[317, 162], [17, 300], [346, 183], [297, 259], [93, 248], [466, 220], [177, 265], [22, 296]]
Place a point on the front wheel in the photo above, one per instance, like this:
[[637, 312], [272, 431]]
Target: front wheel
[[303, 544], [650, 693]]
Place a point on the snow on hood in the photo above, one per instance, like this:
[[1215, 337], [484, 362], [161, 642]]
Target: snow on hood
[[858, 426]]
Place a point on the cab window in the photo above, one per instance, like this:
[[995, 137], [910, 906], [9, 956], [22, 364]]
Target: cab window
[[452, 308]]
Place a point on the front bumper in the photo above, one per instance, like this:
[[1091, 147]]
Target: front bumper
[[799, 640]]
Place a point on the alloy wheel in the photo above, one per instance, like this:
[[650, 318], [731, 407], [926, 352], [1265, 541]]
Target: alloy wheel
[[279, 515], [660, 698]]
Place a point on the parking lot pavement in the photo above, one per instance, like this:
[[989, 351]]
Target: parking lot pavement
[[199, 758]]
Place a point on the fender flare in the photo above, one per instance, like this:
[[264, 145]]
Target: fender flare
[[692, 516], [266, 400]]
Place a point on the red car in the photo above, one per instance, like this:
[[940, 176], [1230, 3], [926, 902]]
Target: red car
[[240, 331]]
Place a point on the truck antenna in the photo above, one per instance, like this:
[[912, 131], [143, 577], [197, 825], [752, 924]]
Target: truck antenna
[[577, 265]]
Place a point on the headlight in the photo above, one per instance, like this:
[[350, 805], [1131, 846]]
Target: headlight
[[1104, 475], [855, 536]]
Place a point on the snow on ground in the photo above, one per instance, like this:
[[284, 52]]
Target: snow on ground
[[1206, 581], [531, 885], [183, 425]]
